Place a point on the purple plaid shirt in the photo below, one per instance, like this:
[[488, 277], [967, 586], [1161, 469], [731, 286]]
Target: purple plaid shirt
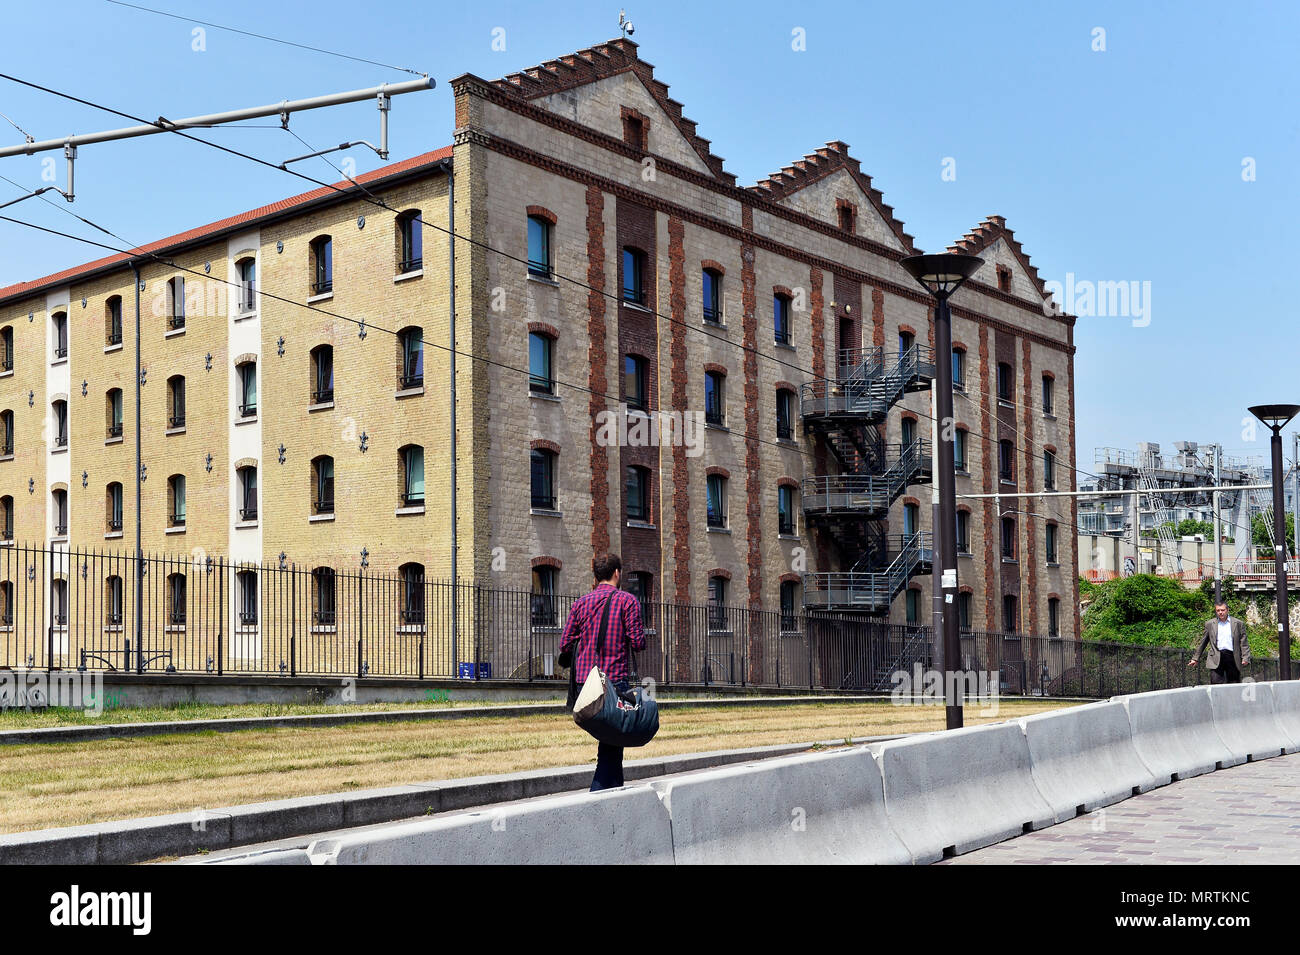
[[583, 626]]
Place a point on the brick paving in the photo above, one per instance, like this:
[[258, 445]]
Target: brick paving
[[1247, 815]]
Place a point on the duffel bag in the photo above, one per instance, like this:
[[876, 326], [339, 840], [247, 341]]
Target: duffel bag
[[612, 720]]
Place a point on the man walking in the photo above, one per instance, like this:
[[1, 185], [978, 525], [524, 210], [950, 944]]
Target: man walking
[[1226, 637], [604, 626]]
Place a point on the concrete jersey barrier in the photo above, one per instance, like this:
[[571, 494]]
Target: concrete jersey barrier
[[1174, 733], [1286, 710], [1244, 716], [961, 790], [1084, 758], [820, 808], [628, 825]]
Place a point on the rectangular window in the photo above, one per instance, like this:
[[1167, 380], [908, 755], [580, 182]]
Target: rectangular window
[[1049, 470], [633, 285], [412, 359], [544, 611], [712, 297], [783, 427], [1051, 543], [913, 606], [414, 476], [248, 390], [1053, 617], [1010, 618], [713, 395], [959, 449], [963, 532], [785, 509], [959, 369], [634, 382], [1009, 538], [963, 610], [781, 319], [323, 256], [717, 500], [637, 496], [1004, 381], [539, 365], [114, 321], [543, 480], [412, 244], [1047, 395], [1006, 455], [539, 247]]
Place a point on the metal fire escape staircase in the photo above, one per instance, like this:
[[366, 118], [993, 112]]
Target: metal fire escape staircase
[[1170, 559], [852, 503]]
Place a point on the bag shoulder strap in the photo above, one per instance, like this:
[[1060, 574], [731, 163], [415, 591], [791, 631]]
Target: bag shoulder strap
[[604, 623]]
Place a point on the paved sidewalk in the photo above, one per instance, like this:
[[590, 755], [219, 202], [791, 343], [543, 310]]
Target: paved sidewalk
[[1247, 815]]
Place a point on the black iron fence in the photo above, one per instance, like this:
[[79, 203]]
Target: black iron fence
[[102, 610]]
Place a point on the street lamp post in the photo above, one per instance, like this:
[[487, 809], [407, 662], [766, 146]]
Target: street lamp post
[[941, 275], [1276, 417]]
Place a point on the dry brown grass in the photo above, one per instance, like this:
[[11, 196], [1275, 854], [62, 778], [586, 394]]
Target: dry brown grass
[[66, 784]]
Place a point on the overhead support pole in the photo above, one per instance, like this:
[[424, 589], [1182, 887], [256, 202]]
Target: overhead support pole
[[282, 109]]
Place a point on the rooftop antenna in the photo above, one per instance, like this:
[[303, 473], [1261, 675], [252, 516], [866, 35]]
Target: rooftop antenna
[[625, 25]]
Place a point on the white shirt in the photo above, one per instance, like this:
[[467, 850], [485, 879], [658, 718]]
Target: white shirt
[[1225, 634]]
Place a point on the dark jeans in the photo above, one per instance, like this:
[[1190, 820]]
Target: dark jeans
[[609, 759], [1226, 671]]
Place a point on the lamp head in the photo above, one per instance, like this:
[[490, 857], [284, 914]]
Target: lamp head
[[1275, 416], [943, 272]]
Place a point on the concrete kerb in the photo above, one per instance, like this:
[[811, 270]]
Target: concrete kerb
[[961, 790], [1244, 717], [811, 809], [1286, 710], [627, 825], [1084, 758], [1174, 733]]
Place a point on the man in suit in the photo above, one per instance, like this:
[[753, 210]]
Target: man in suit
[[1228, 648]]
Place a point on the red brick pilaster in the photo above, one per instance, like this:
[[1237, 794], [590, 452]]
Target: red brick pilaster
[[753, 488], [681, 470], [1029, 598], [597, 356], [817, 321], [991, 524]]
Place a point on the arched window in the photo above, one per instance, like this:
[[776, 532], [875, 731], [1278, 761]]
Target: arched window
[[634, 276], [411, 606], [542, 473], [324, 592], [59, 602], [718, 603], [715, 405], [411, 460], [789, 599], [784, 414], [175, 402], [963, 532], [1008, 538], [6, 433], [640, 584], [959, 449], [59, 330], [1049, 470], [713, 296], [247, 375], [410, 358], [1053, 617], [544, 613], [322, 484], [322, 265], [176, 500], [7, 518], [322, 374], [113, 321], [1047, 394], [635, 382], [175, 600], [6, 604], [60, 512], [246, 269], [1006, 381], [781, 318], [246, 594], [716, 495], [1050, 533], [176, 303], [410, 242], [1006, 460], [59, 423], [964, 610], [638, 494], [113, 414], [247, 500], [539, 246], [959, 369], [6, 349], [541, 357], [113, 508], [785, 510], [113, 601]]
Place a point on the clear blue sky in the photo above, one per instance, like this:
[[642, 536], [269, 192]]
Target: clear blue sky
[[1117, 165]]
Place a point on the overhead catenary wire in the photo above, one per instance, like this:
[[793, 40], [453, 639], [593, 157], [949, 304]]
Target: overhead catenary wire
[[262, 36]]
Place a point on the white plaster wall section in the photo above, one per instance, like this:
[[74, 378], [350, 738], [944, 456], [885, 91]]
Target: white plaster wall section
[[58, 467], [244, 436]]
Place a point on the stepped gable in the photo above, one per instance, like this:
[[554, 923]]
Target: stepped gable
[[598, 63], [988, 232], [818, 165]]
